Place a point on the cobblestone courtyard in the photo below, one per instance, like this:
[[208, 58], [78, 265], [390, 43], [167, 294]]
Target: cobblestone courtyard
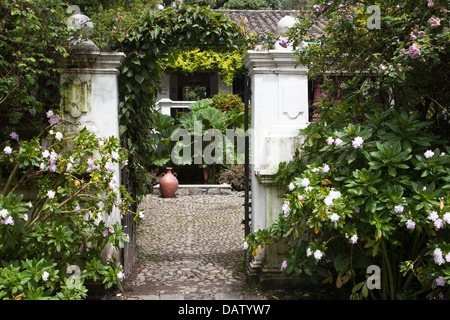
[[192, 248]]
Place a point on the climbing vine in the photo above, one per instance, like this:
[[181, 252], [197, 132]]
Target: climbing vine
[[227, 64], [150, 40]]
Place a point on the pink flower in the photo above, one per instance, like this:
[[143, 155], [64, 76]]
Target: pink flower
[[421, 33], [326, 168], [440, 281], [286, 209], [319, 9], [414, 51], [282, 43], [283, 265], [435, 22], [349, 17], [430, 3], [14, 136], [245, 245], [338, 141], [398, 209]]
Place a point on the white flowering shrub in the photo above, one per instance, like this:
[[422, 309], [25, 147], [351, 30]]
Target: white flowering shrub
[[45, 239], [374, 191]]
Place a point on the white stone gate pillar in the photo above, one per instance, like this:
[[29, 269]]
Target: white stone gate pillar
[[90, 81], [279, 107]]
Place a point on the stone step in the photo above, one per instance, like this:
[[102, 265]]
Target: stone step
[[199, 189]]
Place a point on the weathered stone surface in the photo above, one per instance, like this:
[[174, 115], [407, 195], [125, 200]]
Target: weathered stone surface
[[193, 250]]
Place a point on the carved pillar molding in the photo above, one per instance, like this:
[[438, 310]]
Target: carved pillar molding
[[279, 110], [91, 96]]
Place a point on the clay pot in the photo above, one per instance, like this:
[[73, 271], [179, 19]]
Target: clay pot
[[168, 184], [205, 175]]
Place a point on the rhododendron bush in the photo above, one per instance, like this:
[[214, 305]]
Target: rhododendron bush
[[370, 186], [51, 243]]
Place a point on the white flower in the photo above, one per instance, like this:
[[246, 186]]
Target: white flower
[[286, 209], [338, 141], [438, 223], [291, 186], [318, 254], [7, 150], [428, 154], [58, 136], [353, 239], [305, 182], [4, 213], [45, 154], [330, 141], [53, 156], [334, 217], [115, 155], [328, 201], [446, 217], [447, 257], [433, 216], [51, 194], [438, 258], [334, 194], [120, 275], [45, 276], [398, 209], [326, 168], [25, 217], [9, 220], [245, 245], [357, 142], [308, 252], [109, 166], [410, 224]]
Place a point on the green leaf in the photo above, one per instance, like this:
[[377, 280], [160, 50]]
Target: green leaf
[[341, 261]]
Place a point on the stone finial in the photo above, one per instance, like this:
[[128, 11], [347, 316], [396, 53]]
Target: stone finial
[[285, 23], [84, 24]]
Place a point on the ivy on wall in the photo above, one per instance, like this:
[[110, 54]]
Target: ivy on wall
[[151, 38]]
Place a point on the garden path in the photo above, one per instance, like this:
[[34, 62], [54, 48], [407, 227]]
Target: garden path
[[191, 249]]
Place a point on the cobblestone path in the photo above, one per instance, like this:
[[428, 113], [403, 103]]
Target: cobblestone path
[[193, 250]]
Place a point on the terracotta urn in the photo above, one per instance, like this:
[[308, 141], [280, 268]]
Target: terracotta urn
[[168, 184]]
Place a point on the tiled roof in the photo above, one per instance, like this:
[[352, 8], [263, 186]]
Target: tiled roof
[[263, 22]]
